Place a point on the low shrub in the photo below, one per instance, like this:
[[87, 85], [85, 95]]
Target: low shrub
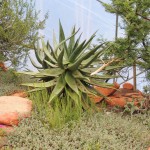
[[9, 77], [7, 89], [10, 82], [100, 131]]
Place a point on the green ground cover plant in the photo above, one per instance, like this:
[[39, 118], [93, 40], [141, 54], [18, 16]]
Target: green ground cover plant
[[104, 131]]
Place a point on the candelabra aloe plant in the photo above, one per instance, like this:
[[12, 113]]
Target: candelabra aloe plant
[[66, 67]]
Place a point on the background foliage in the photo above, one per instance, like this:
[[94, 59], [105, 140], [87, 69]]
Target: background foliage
[[135, 45], [19, 25]]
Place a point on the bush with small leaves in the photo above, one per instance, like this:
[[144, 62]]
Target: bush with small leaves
[[105, 131]]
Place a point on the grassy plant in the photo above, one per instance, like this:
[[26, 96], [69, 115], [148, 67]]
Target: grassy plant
[[61, 111]]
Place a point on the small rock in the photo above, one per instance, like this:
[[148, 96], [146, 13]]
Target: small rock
[[95, 99], [105, 92], [114, 101], [134, 95], [128, 86], [20, 94], [14, 108], [121, 101], [2, 65]]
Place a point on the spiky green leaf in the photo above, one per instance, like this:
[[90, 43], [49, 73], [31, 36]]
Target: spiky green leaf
[[64, 41], [101, 84], [49, 47], [78, 75], [62, 35], [62, 38], [71, 81], [76, 52], [76, 43], [58, 88], [42, 84], [87, 44], [82, 87], [50, 64], [34, 64], [27, 73], [35, 90], [60, 59], [37, 50], [88, 70], [48, 54], [75, 65], [73, 95], [72, 41], [53, 72], [91, 59]]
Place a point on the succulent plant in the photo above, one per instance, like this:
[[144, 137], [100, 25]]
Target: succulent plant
[[65, 68]]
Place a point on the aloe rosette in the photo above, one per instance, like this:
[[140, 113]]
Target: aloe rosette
[[65, 68]]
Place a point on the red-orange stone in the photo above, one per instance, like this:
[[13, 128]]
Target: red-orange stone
[[20, 94], [13, 108], [2, 65], [128, 86], [104, 91], [121, 101]]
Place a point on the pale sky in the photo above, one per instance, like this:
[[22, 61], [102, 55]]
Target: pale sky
[[88, 15]]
